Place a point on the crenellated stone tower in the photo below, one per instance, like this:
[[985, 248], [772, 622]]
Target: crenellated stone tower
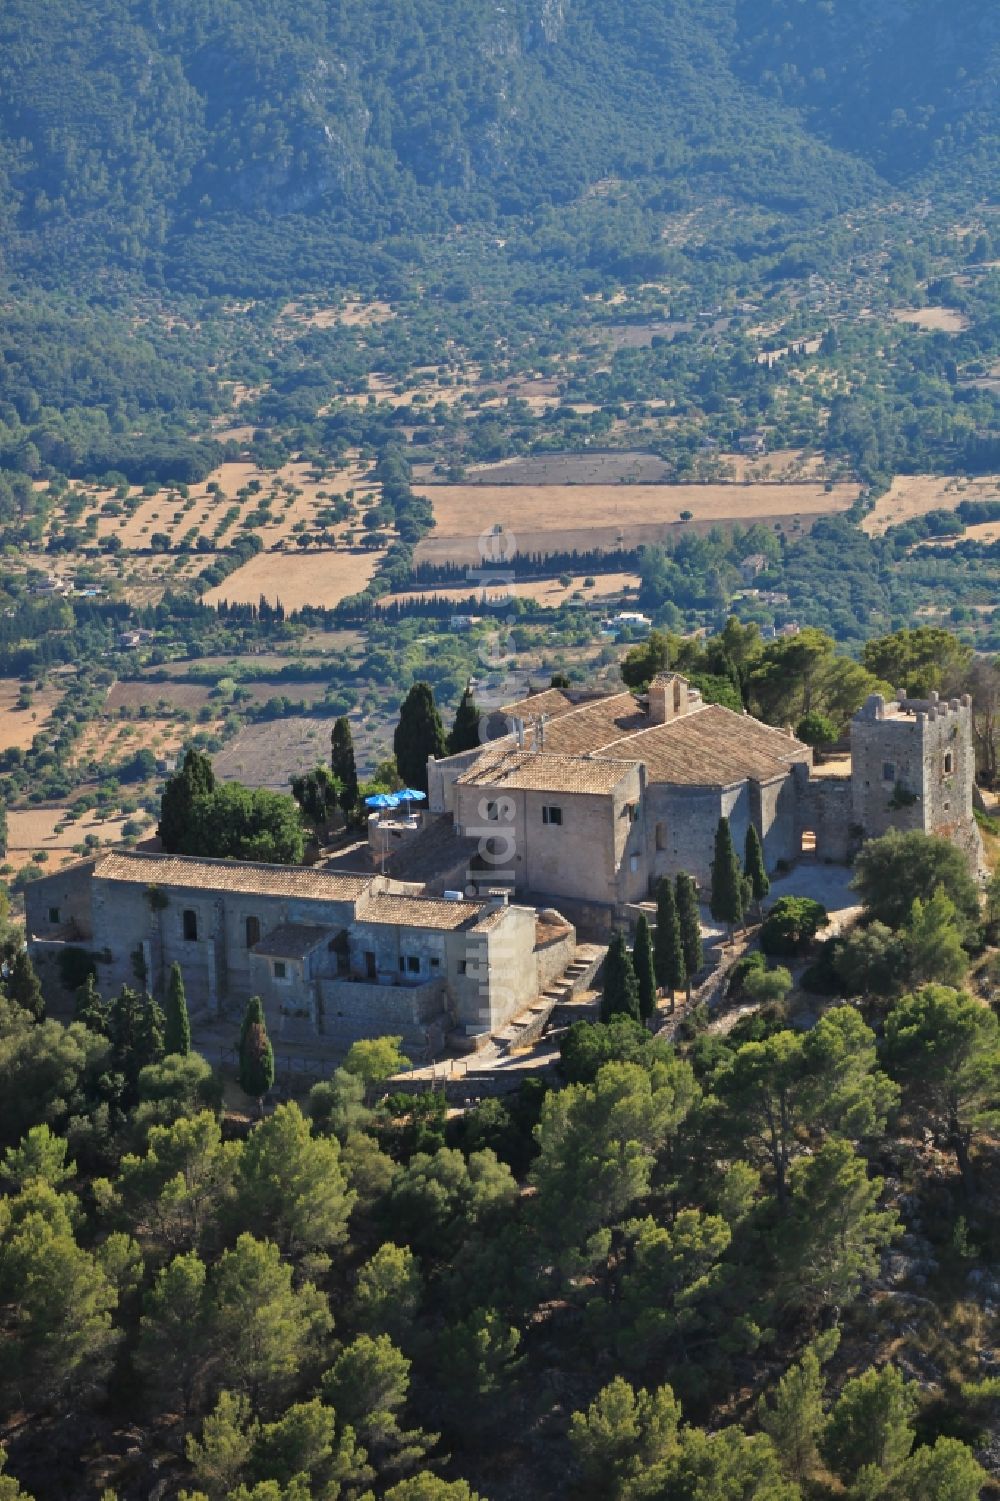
[[913, 766]]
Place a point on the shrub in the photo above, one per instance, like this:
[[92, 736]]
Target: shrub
[[742, 969], [791, 925]]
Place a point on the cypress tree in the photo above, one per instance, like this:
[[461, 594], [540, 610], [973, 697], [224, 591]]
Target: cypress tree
[[177, 1027], [23, 988], [726, 904], [256, 1054], [252, 1014], [194, 778], [671, 968], [621, 988], [149, 1037], [419, 735], [342, 764], [645, 971], [689, 918], [89, 1008], [753, 864], [465, 731]]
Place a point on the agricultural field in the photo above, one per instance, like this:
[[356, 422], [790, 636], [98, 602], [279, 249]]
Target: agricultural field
[[913, 495], [295, 494], [938, 320], [296, 580], [269, 754], [548, 592], [551, 518], [19, 726], [351, 313], [52, 832], [118, 740]]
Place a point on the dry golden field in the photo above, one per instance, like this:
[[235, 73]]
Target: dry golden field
[[943, 320], [549, 592], [295, 499], [915, 494], [117, 740], [552, 518], [18, 727], [47, 829], [322, 579], [354, 313]]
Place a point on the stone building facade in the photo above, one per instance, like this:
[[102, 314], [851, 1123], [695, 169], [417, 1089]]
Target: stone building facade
[[590, 803], [334, 956]]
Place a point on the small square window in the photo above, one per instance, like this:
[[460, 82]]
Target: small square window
[[492, 813], [53, 914], [435, 964], [413, 964], [280, 971], [551, 814]]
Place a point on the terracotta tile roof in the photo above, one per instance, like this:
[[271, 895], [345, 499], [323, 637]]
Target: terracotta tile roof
[[291, 940], [426, 912], [710, 747], [232, 875], [588, 727], [504, 766], [552, 701]]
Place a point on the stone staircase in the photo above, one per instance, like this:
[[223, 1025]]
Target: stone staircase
[[529, 1025]]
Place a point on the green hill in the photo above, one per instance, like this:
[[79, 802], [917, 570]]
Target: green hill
[[219, 141]]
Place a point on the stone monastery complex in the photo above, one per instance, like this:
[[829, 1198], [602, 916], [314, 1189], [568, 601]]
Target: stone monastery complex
[[466, 913]]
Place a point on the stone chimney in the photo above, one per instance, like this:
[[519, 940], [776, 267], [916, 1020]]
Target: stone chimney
[[668, 698]]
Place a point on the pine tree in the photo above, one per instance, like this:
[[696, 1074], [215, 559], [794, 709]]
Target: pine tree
[[689, 916], [256, 1055], [726, 903], [194, 778], [419, 735], [22, 986], [177, 1029], [342, 765], [645, 970], [465, 731], [621, 988], [668, 954], [753, 864], [795, 1420]]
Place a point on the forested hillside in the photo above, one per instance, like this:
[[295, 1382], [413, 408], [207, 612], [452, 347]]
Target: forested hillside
[[148, 133]]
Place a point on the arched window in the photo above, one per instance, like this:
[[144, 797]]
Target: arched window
[[190, 920], [253, 931]]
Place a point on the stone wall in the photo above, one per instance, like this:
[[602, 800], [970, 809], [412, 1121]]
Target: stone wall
[[681, 824], [775, 809], [353, 1009], [552, 957], [827, 811], [59, 904]]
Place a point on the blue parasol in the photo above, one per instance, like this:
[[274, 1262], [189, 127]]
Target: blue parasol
[[382, 800], [411, 795]]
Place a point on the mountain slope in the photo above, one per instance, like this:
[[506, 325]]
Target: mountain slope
[[132, 130]]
